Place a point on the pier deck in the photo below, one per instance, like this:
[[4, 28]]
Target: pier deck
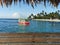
[[30, 39]]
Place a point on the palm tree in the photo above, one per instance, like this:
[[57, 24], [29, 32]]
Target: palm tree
[[45, 13], [32, 2], [58, 11]]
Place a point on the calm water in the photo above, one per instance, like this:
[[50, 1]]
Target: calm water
[[12, 26]]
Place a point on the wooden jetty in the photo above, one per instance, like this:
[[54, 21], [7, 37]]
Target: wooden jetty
[[30, 39]]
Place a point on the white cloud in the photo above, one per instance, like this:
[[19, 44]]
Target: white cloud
[[13, 15], [16, 15]]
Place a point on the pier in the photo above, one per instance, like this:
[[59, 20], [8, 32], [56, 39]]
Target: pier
[[30, 39]]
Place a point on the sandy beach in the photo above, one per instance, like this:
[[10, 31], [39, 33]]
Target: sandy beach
[[50, 20]]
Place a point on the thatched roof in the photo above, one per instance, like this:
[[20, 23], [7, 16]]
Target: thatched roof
[[32, 2]]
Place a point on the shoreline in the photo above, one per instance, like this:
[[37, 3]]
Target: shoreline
[[49, 20]]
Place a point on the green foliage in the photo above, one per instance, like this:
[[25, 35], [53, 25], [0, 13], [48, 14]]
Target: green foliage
[[44, 15]]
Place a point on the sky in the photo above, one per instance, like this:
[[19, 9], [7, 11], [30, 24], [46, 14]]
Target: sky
[[24, 10]]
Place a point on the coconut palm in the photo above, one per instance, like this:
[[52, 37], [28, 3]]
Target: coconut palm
[[32, 2]]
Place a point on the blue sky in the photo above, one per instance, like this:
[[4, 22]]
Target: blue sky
[[23, 10]]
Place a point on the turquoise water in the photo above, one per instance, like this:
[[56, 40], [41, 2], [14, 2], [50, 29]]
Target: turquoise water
[[12, 26]]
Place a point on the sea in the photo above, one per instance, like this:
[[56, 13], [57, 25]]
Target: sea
[[12, 26]]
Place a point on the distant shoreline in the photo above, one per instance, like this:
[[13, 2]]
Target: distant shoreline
[[50, 20]]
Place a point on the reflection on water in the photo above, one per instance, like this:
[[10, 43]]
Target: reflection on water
[[55, 26], [12, 26], [23, 28], [42, 27]]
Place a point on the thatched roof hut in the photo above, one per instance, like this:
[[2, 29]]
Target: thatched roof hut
[[55, 3]]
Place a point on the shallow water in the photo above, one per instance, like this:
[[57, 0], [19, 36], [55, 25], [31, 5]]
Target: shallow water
[[12, 26]]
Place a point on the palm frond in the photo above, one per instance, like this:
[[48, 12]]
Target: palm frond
[[31, 2]]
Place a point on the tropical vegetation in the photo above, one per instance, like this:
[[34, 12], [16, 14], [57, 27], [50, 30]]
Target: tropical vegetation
[[45, 15], [55, 3]]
